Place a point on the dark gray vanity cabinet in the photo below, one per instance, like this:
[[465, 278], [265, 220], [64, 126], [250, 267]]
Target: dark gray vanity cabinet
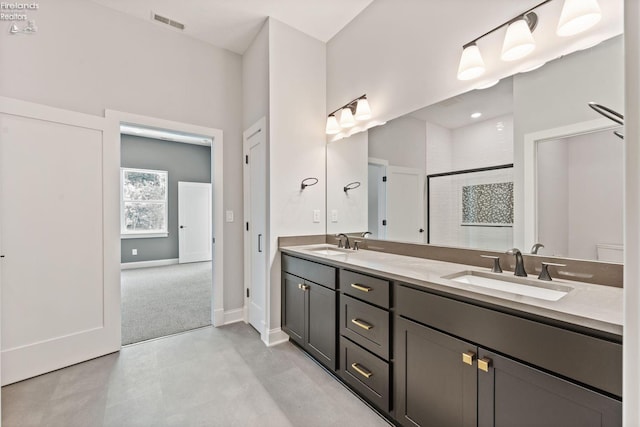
[[444, 376], [309, 308]]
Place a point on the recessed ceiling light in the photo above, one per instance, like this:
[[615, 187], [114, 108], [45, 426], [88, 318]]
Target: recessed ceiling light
[[476, 115]]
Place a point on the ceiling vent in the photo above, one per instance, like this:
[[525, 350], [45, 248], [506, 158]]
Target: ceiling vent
[[167, 21]]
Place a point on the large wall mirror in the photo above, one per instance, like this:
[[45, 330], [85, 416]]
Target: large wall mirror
[[525, 161]]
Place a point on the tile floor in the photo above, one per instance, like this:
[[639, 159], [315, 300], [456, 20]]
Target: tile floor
[[208, 377]]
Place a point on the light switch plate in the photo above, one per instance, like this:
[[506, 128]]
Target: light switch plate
[[134, 252], [316, 215], [334, 215], [229, 216]]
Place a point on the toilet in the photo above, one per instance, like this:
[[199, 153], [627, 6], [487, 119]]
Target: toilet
[[610, 252]]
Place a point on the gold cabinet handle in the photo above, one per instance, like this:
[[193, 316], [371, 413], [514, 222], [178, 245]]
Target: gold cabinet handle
[[303, 287], [361, 371], [361, 324], [361, 288], [468, 357], [484, 364]]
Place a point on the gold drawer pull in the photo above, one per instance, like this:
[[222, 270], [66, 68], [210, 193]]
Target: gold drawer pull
[[362, 324], [303, 287], [361, 288], [361, 371], [468, 357], [484, 364]]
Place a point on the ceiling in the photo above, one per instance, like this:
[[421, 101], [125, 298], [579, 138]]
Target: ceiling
[[233, 24], [455, 112]]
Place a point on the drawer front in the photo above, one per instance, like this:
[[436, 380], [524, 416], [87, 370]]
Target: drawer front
[[366, 373], [365, 324], [371, 289], [589, 360], [312, 271]]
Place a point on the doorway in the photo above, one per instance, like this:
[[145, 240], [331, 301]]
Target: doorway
[[199, 269]]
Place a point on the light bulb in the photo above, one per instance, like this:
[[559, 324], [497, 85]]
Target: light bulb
[[332, 125], [346, 118], [363, 111], [471, 63], [578, 16], [518, 41]]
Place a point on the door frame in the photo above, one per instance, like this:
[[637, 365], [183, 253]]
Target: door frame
[[114, 119], [259, 126]]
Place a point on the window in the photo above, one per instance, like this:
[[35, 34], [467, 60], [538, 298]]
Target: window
[[143, 203]]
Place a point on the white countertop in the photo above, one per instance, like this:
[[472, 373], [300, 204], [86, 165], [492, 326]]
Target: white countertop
[[587, 305]]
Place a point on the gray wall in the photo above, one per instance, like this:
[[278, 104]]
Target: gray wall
[[184, 162]]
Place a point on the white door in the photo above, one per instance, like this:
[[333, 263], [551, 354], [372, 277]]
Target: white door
[[377, 200], [255, 177], [194, 222], [60, 294], [405, 204]]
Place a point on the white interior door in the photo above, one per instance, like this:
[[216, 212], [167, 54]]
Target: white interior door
[[194, 222], [60, 296], [256, 241], [405, 204], [377, 200]]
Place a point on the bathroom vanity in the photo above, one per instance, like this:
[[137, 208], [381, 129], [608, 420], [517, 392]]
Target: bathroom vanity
[[425, 349]]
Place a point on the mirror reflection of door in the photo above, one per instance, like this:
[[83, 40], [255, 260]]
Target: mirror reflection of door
[[580, 196], [377, 199], [405, 204]]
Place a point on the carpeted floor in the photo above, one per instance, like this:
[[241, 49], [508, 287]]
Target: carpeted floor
[[160, 301]]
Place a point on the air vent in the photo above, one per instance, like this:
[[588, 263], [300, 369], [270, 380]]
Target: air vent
[[174, 24]]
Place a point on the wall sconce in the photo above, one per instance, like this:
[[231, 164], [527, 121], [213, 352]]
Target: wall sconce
[[357, 109], [351, 186], [576, 16]]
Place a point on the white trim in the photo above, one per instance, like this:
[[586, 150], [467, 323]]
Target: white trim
[[530, 167], [115, 118], [233, 316], [147, 264], [377, 161], [143, 235], [275, 337]]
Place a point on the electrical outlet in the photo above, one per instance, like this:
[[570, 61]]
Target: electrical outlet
[[316, 215], [334, 215], [229, 215], [134, 252]]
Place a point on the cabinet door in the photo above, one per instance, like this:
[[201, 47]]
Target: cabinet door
[[433, 384], [513, 394], [321, 330], [293, 309]]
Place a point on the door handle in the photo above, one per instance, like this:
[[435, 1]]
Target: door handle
[[183, 226], [259, 242]]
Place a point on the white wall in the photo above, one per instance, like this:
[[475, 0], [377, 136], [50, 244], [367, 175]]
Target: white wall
[[400, 141], [89, 58], [347, 162], [482, 144], [255, 79], [438, 149], [297, 104]]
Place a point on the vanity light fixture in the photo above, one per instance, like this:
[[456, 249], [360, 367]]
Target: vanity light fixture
[[576, 16], [355, 110]]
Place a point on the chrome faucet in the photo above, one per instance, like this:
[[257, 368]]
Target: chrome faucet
[[536, 247], [346, 241], [519, 271], [365, 234]]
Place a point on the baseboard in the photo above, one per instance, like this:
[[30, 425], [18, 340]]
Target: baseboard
[[233, 316], [145, 264], [275, 337], [218, 317]]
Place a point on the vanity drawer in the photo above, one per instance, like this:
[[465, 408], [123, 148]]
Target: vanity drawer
[[366, 373], [367, 288], [365, 325], [312, 271]]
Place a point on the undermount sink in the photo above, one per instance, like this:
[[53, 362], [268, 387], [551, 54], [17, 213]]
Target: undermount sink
[[512, 284], [330, 251]]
